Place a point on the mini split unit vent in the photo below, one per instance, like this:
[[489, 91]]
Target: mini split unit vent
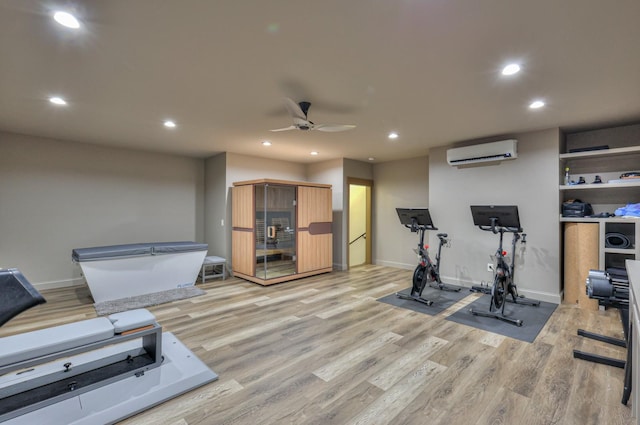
[[495, 151]]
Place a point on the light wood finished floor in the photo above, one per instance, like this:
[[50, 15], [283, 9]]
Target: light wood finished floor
[[322, 350]]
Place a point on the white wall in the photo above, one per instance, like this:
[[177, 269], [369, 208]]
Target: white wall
[[398, 184], [531, 183], [56, 196]]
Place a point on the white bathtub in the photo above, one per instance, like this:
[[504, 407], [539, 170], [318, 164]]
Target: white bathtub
[[121, 271]]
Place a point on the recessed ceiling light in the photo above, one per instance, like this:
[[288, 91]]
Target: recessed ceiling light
[[266, 143], [371, 158], [66, 19], [57, 100], [393, 135], [512, 68], [536, 104], [169, 124], [314, 153]]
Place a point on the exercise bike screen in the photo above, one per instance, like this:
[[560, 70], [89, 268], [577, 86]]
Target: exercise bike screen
[[422, 216], [507, 215]]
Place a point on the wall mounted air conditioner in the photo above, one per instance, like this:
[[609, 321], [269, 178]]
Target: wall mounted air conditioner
[[494, 151]]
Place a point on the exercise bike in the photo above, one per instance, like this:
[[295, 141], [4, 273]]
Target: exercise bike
[[427, 273], [501, 220]]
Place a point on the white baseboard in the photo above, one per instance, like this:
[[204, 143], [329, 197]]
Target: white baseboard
[[340, 267], [55, 284], [529, 293], [395, 264]]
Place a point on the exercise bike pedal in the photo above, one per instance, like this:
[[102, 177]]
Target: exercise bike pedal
[[499, 316], [481, 289], [414, 298], [524, 301], [444, 287]]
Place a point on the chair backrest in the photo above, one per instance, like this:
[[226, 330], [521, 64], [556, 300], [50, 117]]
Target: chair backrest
[[18, 294]]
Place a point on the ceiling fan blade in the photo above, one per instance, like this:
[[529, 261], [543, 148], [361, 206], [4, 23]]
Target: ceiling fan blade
[[294, 109], [333, 127], [291, 127]]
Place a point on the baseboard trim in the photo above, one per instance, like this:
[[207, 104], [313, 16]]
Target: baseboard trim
[[56, 284], [536, 295], [339, 267], [395, 264]]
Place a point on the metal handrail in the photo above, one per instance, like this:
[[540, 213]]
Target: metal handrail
[[364, 235]]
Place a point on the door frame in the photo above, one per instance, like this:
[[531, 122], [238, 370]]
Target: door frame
[[368, 240]]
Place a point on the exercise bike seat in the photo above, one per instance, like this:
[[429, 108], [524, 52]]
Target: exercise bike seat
[[442, 235]]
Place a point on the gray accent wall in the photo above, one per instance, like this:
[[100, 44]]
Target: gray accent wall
[[398, 184], [531, 183], [56, 196], [216, 205]]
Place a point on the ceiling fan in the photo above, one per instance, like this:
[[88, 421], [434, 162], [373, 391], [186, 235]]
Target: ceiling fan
[[298, 112]]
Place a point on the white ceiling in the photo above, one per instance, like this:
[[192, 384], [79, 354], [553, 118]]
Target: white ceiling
[[428, 69]]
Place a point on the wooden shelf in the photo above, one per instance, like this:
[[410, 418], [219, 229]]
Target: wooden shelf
[[601, 186], [608, 164], [601, 153], [630, 251], [598, 220]]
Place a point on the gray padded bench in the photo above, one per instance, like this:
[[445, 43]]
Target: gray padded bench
[[47, 366], [22, 349]]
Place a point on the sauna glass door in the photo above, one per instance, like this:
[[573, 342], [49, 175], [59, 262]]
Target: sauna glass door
[[275, 231]]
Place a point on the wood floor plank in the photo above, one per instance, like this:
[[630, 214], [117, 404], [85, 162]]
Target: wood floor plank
[[250, 332], [326, 294], [506, 407], [343, 408], [391, 375], [340, 364], [173, 411], [344, 306], [398, 397]]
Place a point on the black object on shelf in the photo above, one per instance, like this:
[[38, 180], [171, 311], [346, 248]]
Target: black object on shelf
[[576, 209], [590, 148], [616, 240]]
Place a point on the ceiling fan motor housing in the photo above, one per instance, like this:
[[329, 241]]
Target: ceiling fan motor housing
[[305, 107]]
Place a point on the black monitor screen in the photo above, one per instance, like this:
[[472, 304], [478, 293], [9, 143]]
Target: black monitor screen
[[421, 215], [506, 215]]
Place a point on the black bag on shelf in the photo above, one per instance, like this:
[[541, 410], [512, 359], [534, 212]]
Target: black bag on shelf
[[576, 209]]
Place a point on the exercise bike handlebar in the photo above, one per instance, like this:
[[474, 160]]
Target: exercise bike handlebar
[[498, 229], [415, 227]]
